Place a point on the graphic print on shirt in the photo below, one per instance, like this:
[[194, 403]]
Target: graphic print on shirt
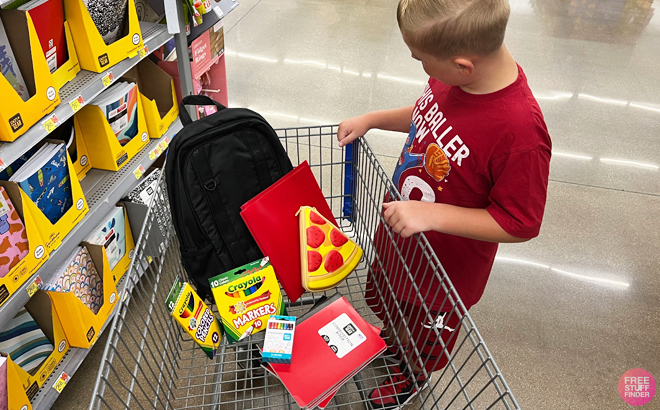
[[424, 154]]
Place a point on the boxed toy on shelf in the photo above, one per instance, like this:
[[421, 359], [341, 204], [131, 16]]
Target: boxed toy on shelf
[[51, 191], [113, 126], [35, 341], [26, 85], [106, 33], [157, 96], [23, 249], [83, 293], [115, 235]]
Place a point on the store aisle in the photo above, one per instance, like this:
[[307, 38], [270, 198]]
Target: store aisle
[[566, 314]]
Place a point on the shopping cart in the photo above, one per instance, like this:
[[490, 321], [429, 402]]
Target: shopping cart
[[149, 361]]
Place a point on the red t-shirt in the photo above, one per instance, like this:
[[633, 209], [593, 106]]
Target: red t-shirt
[[487, 151]]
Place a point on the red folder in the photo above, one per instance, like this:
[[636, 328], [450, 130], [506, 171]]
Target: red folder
[[48, 20], [315, 370], [271, 218]]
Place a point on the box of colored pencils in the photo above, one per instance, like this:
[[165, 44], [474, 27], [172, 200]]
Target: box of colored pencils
[[246, 297], [278, 342]]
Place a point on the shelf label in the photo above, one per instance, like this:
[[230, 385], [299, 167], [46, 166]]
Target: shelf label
[[138, 172], [34, 286], [51, 123], [107, 79], [152, 155], [61, 382], [77, 103], [163, 145], [2, 165], [143, 52]]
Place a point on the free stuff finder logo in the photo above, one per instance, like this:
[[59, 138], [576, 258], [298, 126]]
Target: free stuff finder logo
[[637, 387]]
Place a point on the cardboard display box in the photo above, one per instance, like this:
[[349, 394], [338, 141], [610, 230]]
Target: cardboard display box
[[38, 253], [53, 234], [42, 311], [93, 54], [157, 95], [16, 115], [68, 70], [124, 263], [80, 324], [77, 150], [103, 149], [16, 397]]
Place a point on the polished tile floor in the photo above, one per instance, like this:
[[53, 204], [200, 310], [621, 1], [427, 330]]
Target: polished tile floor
[[565, 315]]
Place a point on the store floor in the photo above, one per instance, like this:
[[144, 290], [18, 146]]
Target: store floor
[[566, 314]]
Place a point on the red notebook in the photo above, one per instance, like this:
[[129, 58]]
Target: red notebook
[[48, 19], [330, 347], [271, 218]]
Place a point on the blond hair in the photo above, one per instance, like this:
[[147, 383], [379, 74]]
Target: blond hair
[[446, 28]]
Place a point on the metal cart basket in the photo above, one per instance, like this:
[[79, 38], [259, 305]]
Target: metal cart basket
[[149, 362]]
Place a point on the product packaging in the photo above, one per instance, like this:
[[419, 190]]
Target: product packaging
[[246, 297], [194, 316]]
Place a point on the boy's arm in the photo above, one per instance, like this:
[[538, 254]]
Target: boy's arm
[[410, 217], [397, 119]]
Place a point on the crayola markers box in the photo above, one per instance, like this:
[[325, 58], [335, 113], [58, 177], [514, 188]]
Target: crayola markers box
[[246, 297], [194, 316], [278, 343]]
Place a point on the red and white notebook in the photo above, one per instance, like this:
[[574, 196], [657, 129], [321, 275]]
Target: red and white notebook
[[48, 19], [331, 345], [271, 218]]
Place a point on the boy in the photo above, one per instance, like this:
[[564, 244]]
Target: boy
[[473, 173]]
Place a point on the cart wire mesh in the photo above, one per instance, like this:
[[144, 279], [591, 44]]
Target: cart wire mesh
[[150, 362]]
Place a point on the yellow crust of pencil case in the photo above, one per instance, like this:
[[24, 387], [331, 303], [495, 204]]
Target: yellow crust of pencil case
[[327, 255]]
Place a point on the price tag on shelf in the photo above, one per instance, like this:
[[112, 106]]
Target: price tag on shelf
[[167, 140], [61, 382], [163, 145], [2, 165], [51, 123], [139, 171], [77, 104], [152, 155], [143, 52], [108, 79], [34, 286]]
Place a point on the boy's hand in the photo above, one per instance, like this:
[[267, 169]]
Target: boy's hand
[[353, 128], [408, 217]]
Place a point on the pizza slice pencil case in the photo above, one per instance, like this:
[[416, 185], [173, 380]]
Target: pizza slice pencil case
[[327, 255]]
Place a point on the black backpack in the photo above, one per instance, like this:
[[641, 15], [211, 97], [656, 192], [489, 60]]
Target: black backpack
[[215, 165]]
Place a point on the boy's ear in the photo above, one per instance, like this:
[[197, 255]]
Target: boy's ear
[[464, 65]]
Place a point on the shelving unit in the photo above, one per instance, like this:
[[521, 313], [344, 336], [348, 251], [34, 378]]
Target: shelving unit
[[86, 85], [102, 189]]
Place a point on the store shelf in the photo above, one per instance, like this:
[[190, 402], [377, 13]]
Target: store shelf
[[46, 396], [86, 85], [103, 189], [210, 19]]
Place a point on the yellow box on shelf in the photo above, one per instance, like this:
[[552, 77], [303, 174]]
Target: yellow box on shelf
[[157, 95], [106, 235], [42, 310], [82, 326], [93, 54], [103, 148], [37, 252], [16, 115], [16, 397], [54, 233], [68, 70]]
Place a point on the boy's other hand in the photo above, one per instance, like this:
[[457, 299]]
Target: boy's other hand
[[408, 217], [352, 128]]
